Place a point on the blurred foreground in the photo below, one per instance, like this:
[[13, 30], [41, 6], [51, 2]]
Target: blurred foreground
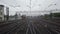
[[30, 25]]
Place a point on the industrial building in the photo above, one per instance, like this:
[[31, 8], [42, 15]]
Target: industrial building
[[1, 12]]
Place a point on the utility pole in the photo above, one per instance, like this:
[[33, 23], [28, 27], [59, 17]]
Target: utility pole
[[30, 6], [51, 15]]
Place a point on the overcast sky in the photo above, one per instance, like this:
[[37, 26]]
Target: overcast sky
[[36, 5]]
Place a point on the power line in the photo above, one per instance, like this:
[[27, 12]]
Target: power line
[[11, 5]]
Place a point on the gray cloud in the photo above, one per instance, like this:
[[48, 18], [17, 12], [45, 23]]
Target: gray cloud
[[36, 5]]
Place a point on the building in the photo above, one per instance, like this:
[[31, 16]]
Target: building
[[1, 12], [6, 16], [15, 17], [7, 13], [12, 17], [19, 16]]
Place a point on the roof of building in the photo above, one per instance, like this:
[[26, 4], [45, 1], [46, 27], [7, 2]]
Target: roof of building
[[2, 5]]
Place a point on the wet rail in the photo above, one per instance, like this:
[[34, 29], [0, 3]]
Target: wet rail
[[29, 26]]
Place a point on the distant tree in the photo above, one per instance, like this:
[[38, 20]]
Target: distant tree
[[56, 14], [23, 17]]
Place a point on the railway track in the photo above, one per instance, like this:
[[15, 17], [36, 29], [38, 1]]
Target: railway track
[[9, 28], [50, 27], [29, 26]]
